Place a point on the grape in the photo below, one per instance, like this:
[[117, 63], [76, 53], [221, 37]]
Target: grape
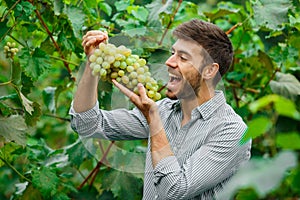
[[9, 50], [111, 62]]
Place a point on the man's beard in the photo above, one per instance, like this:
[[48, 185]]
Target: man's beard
[[189, 90]]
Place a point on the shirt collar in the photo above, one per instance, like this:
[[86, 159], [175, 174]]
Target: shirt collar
[[208, 108]]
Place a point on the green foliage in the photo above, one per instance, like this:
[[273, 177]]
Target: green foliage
[[42, 158]]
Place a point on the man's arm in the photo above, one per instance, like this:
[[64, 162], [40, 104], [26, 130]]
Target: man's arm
[[160, 147], [86, 94]]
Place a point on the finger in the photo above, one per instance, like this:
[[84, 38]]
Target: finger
[[142, 91], [93, 40], [131, 95], [95, 32]]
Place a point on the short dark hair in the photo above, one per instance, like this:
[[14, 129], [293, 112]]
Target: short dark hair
[[212, 38]]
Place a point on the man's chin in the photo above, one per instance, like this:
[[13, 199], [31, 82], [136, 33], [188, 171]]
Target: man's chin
[[171, 95]]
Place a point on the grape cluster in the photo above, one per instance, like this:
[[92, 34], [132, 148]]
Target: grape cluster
[[10, 50], [111, 62]]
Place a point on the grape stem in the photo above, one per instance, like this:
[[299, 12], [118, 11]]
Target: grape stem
[[14, 169]]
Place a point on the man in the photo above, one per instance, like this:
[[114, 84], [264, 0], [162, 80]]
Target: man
[[193, 135]]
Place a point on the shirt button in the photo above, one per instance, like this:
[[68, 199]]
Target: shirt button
[[156, 196]]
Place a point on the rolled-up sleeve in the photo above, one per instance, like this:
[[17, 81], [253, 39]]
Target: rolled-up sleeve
[[120, 124]]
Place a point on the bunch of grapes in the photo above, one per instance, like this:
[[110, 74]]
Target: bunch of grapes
[[10, 50], [111, 62]]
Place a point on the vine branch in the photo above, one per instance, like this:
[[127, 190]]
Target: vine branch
[[38, 14], [170, 22], [14, 169], [96, 169]]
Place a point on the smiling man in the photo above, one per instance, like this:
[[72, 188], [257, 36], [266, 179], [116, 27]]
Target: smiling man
[[193, 134]]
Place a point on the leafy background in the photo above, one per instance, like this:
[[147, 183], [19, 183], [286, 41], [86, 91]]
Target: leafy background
[[42, 158]]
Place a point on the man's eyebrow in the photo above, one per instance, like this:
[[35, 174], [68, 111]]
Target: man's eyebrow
[[181, 52]]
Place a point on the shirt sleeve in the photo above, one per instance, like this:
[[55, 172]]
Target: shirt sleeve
[[119, 124], [214, 162]]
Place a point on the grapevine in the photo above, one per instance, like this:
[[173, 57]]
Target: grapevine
[[112, 62]]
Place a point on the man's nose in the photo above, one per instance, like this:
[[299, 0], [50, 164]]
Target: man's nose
[[171, 62]]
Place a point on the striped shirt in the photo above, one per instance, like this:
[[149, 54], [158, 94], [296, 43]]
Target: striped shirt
[[207, 150]]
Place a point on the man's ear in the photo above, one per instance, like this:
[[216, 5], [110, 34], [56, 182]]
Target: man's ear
[[210, 71]]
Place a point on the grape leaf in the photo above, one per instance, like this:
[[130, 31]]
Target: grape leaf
[[257, 127], [35, 63], [225, 8], [157, 7], [26, 103], [263, 175], [31, 119], [76, 18], [286, 85], [105, 8], [122, 184], [140, 13], [288, 140], [77, 153], [13, 128], [271, 13], [46, 181], [6, 152], [49, 98]]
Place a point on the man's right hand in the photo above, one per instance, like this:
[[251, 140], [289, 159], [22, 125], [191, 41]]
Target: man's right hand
[[92, 39]]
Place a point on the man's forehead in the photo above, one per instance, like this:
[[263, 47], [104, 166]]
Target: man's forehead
[[187, 45]]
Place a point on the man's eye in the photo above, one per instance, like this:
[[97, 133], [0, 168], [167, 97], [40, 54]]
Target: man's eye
[[183, 58]]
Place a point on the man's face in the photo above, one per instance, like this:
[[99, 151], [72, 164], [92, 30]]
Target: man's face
[[184, 70]]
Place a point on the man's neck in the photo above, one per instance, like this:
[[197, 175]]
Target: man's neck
[[187, 105]]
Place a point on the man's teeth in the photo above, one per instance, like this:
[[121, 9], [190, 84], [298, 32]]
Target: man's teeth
[[173, 77]]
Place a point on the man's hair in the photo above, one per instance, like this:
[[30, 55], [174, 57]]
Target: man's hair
[[214, 41]]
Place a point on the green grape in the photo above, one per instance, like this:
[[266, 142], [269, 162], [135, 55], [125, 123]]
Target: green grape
[[140, 70], [148, 85], [117, 63], [133, 75], [151, 93], [157, 96], [136, 65], [97, 52], [125, 79], [6, 48], [129, 68], [121, 73], [92, 58], [129, 61], [141, 78], [97, 68], [102, 46], [142, 61], [114, 75], [99, 60], [134, 82], [105, 65], [119, 56], [103, 72], [123, 65]]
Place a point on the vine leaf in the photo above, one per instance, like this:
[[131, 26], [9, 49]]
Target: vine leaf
[[157, 7], [46, 181], [263, 175], [13, 128], [35, 63], [286, 85], [257, 127], [26, 103], [289, 140], [76, 18], [271, 13]]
